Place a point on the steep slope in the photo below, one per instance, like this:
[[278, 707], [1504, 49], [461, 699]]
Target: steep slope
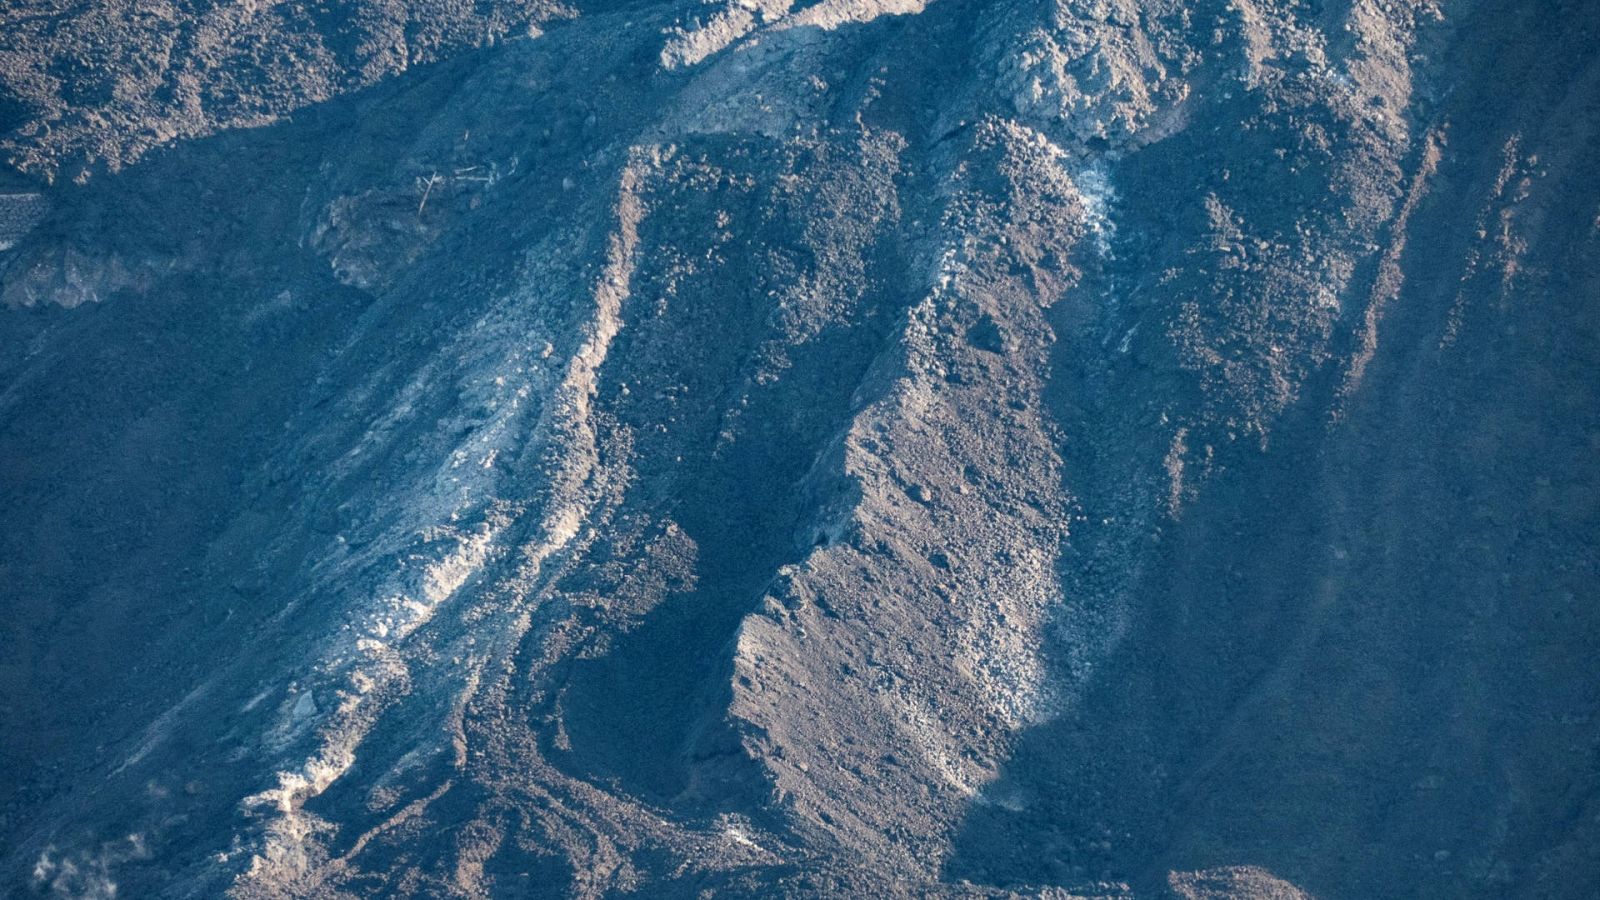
[[858, 449]]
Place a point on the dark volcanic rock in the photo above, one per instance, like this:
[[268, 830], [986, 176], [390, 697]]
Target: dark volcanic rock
[[868, 448]]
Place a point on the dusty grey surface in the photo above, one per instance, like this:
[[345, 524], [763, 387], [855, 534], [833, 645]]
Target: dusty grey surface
[[860, 449]]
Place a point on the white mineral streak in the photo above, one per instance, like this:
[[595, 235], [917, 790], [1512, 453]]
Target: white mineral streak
[[379, 666]]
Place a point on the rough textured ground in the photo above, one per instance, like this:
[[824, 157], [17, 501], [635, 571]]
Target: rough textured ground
[[865, 448]]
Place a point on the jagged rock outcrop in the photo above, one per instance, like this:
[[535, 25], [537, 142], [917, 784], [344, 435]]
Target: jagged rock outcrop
[[1042, 449]]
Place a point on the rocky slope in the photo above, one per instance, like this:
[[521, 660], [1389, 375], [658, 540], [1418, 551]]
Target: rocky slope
[[868, 448]]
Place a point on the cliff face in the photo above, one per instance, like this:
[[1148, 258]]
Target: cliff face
[[855, 449]]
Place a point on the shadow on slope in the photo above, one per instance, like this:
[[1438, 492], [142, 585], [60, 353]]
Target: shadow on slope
[[1359, 659]]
